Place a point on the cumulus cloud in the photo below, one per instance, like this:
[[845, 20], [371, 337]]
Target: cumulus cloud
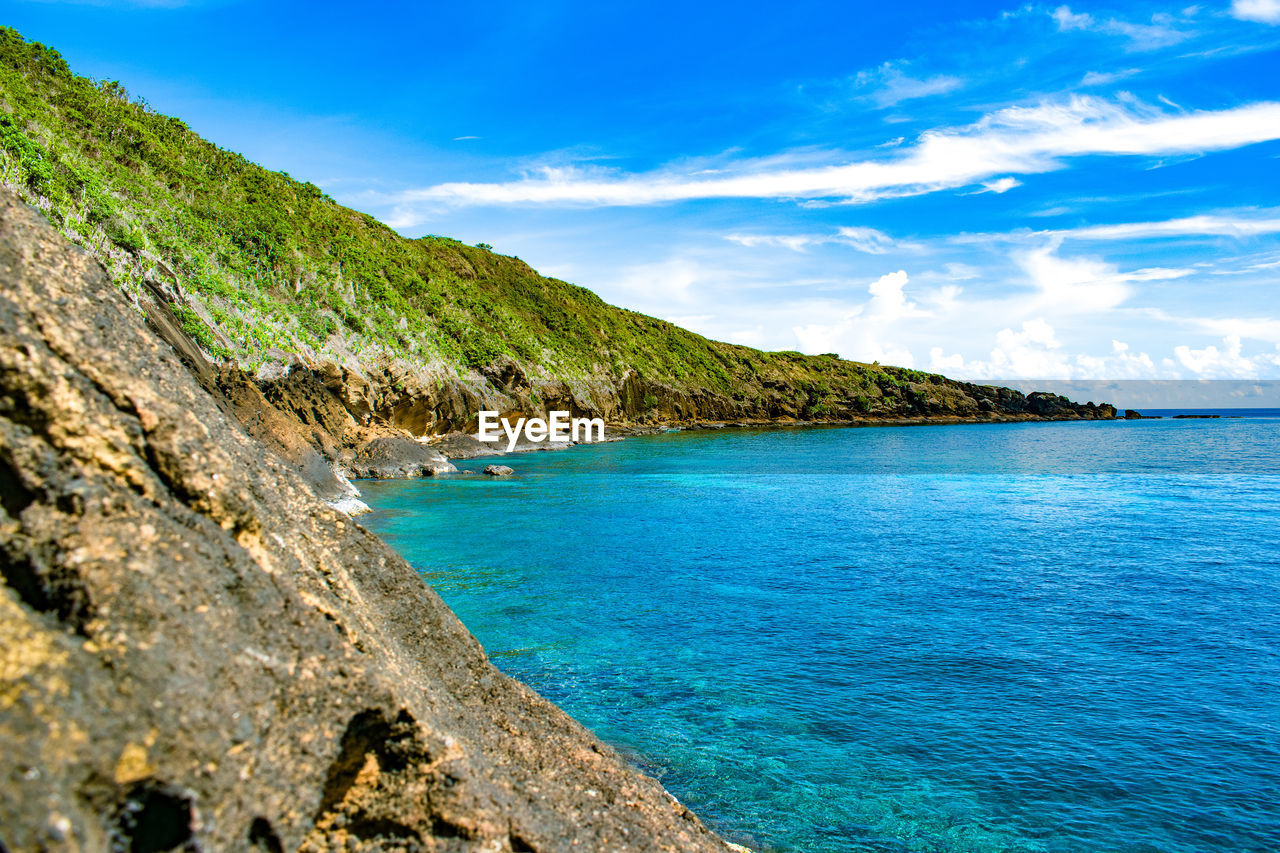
[[1262, 11], [1015, 140], [1034, 352], [861, 334], [1226, 363]]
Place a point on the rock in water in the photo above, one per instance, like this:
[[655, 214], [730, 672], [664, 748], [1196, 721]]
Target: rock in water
[[197, 653], [499, 470]]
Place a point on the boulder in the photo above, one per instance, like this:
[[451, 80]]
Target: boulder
[[499, 470]]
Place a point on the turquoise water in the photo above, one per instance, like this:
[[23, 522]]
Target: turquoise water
[[1039, 637]]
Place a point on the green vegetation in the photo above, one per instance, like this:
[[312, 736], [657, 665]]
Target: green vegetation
[[265, 261]]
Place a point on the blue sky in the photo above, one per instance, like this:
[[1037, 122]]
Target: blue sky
[[987, 190]]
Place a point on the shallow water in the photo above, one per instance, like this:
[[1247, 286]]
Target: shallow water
[[1039, 637]]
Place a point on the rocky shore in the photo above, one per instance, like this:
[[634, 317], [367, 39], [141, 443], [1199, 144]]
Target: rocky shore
[[197, 653]]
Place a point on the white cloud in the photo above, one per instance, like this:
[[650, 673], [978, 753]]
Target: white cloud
[[887, 299], [1240, 224], [1068, 20], [1016, 140], [889, 85], [1257, 328], [794, 242], [1159, 33], [861, 334], [1001, 185], [1207, 225], [1102, 78], [1227, 363], [1262, 11], [1034, 352], [1120, 364], [868, 240], [961, 272], [1073, 285]]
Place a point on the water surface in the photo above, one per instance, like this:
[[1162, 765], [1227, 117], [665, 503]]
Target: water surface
[[1039, 637]]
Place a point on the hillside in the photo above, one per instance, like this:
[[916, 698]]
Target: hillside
[[254, 266]]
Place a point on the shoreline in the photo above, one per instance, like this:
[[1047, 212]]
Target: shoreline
[[198, 649]]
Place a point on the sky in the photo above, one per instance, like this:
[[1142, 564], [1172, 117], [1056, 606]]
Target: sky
[[984, 190]]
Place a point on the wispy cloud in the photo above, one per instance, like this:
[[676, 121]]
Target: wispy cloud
[[1000, 185], [1241, 224], [863, 239], [1103, 78], [1016, 140], [1161, 32], [1262, 11], [888, 85], [1209, 226]]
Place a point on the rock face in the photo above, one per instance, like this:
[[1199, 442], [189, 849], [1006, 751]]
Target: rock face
[[393, 457], [460, 445], [499, 470], [197, 653]]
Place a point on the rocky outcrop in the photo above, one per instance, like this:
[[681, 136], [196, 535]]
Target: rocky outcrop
[[499, 470], [196, 653], [393, 457], [460, 445]]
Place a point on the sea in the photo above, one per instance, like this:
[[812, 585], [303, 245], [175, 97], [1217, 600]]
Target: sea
[[1011, 637]]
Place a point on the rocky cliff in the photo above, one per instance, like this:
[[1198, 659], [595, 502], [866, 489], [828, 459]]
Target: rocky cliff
[[198, 654]]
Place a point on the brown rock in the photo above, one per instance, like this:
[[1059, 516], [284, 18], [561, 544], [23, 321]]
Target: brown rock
[[196, 653], [395, 457]]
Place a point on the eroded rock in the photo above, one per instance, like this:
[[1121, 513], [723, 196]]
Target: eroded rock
[[394, 457], [197, 653]]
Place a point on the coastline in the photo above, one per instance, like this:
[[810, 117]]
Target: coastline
[[198, 650]]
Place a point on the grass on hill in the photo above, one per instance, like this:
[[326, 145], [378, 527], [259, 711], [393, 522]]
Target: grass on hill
[[265, 261]]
